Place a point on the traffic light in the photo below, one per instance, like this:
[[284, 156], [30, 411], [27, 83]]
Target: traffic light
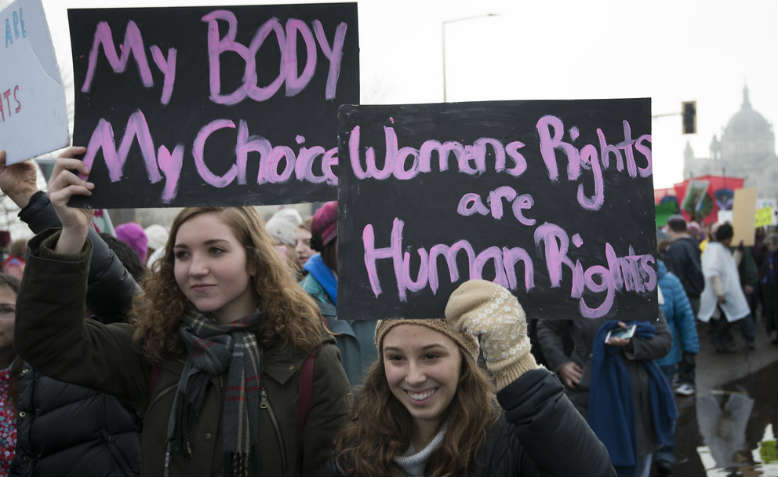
[[689, 116]]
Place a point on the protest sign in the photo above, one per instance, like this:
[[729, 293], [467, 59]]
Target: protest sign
[[666, 205], [33, 118], [743, 216], [719, 195], [766, 212], [552, 199], [765, 217], [212, 106]]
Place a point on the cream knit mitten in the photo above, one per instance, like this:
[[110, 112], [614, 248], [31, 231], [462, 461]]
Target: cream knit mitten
[[492, 313]]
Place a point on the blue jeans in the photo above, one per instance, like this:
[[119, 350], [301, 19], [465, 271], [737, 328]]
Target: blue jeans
[[641, 468]]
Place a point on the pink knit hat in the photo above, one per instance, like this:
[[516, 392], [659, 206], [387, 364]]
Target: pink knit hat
[[133, 235], [325, 222]]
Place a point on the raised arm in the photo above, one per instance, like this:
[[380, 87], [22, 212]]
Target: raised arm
[[51, 332], [111, 287], [544, 428]]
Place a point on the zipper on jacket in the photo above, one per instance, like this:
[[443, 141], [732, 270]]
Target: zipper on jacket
[[162, 393], [264, 403]]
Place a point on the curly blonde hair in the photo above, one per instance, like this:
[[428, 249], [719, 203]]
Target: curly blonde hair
[[290, 315]]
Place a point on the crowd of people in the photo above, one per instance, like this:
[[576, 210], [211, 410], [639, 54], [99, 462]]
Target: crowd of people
[[212, 346]]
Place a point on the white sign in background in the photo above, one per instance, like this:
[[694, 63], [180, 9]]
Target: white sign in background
[[33, 117]]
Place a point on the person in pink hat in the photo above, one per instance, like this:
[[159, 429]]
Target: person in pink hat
[[354, 338], [133, 235]]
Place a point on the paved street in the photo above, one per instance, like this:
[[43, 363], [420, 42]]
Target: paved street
[[729, 426]]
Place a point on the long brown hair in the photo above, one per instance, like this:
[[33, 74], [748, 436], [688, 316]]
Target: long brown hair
[[381, 428], [289, 313]]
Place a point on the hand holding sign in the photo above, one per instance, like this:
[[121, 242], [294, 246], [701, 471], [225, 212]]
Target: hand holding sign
[[63, 185]]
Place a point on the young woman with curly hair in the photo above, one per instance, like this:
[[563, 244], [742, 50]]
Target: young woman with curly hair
[[426, 408], [217, 350]]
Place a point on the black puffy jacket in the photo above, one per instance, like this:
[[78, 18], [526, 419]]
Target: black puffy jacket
[[683, 259], [64, 429], [540, 432]]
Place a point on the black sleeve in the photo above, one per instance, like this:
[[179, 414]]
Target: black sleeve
[[111, 287], [552, 433], [551, 338]]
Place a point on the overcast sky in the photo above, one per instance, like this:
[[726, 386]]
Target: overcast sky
[[669, 50]]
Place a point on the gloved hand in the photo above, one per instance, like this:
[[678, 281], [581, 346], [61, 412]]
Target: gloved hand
[[492, 313]]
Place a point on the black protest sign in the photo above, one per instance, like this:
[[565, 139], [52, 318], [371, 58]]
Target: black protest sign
[[552, 199], [211, 105]]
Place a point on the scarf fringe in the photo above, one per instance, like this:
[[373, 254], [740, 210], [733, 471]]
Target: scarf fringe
[[238, 464]]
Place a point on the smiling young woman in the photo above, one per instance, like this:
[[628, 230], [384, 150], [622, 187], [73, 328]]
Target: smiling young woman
[[426, 408]]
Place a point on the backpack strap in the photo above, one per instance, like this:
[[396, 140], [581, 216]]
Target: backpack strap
[[306, 389]]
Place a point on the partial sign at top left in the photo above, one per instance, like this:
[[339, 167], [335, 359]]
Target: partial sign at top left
[[33, 117], [212, 105]]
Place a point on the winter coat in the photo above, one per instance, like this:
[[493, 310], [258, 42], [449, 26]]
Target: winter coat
[[683, 259], [65, 429], [355, 339], [52, 335], [582, 332], [680, 318], [717, 261], [747, 269], [539, 432]]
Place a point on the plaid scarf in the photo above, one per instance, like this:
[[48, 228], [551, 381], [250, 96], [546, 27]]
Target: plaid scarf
[[212, 349]]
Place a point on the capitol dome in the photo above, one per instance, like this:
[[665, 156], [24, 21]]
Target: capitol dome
[[747, 133]]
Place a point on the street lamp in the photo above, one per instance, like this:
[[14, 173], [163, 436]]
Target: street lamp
[[443, 36]]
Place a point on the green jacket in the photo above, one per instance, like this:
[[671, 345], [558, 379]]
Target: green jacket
[[52, 335]]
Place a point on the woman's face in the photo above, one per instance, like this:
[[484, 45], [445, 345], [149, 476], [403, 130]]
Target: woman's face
[[422, 369], [211, 270], [7, 312], [302, 247]]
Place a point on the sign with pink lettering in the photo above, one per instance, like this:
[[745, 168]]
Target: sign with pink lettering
[[552, 199], [212, 105], [33, 117]]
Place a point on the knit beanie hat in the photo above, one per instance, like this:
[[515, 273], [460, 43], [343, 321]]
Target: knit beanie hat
[[133, 235], [157, 236], [467, 342], [324, 226], [282, 225]]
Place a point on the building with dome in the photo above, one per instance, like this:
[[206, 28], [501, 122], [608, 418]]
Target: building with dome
[[745, 149]]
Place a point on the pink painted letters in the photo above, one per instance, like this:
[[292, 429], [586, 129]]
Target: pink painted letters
[[286, 38]]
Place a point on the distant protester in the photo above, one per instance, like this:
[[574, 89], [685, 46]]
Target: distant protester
[[768, 286], [157, 238], [354, 337], [14, 263], [610, 383], [723, 301], [127, 255], [281, 228], [302, 237], [133, 235]]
